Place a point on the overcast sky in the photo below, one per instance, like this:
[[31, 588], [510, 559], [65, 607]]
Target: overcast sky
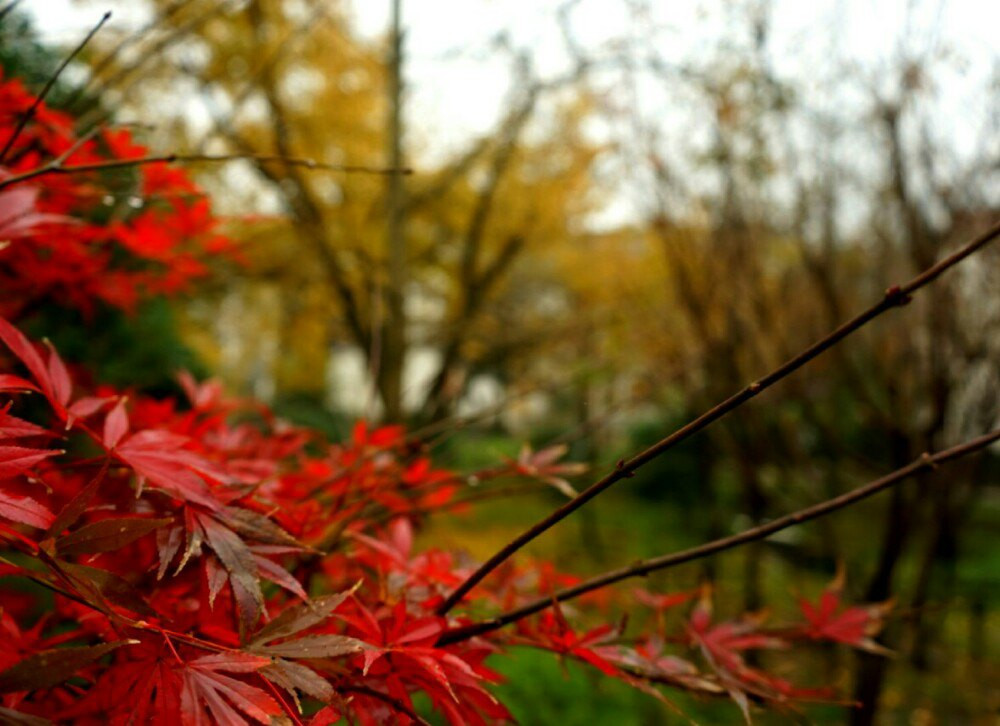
[[457, 87], [454, 90]]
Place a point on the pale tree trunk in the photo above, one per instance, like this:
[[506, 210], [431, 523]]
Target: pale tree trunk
[[392, 356]]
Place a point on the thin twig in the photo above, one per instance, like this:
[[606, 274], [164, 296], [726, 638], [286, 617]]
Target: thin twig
[[924, 463], [97, 68], [57, 167], [125, 77], [895, 296], [48, 86]]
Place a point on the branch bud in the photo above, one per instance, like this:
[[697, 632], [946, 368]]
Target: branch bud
[[895, 296]]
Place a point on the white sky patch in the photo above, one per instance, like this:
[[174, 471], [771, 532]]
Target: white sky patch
[[458, 85]]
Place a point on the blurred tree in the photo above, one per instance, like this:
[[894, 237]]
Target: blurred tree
[[291, 79]]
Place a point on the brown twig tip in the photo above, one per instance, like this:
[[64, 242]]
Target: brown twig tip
[[754, 387]]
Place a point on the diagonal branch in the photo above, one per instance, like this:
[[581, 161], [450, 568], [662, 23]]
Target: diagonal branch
[[923, 463], [894, 297], [48, 86]]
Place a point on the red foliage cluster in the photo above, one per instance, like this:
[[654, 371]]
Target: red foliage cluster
[[109, 237], [203, 561], [213, 569]]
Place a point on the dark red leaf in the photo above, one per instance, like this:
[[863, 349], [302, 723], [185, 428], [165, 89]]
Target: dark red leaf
[[238, 560], [294, 676], [302, 616], [168, 543], [314, 646], [231, 662], [195, 537], [107, 535], [256, 526], [216, 575], [51, 667], [76, 506], [111, 587], [277, 574]]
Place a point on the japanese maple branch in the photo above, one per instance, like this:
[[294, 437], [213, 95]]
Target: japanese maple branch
[[30, 114], [894, 297], [58, 167], [923, 463]]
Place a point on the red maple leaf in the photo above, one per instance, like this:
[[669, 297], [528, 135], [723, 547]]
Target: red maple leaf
[[854, 626]]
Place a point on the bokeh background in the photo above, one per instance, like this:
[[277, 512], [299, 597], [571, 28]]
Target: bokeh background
[[619, 213]]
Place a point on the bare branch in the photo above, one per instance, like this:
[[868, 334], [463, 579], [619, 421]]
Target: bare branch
[[895, 296], [924, 463]]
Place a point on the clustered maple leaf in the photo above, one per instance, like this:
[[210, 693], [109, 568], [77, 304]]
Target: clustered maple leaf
[[202, 561], [111, 237]]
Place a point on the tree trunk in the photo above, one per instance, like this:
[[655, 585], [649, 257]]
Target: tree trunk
[[871, 668], [392, 357]]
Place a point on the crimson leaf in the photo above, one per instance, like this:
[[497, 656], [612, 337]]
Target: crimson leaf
[[302, 616], [314, 646], [107, 535], [51, 667], [16, 459]]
